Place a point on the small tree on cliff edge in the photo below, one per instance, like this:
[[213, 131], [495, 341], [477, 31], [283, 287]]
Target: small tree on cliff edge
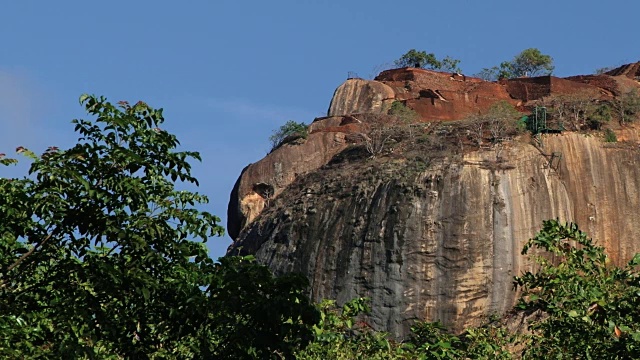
[[289, 129], [422, 60], [530, 62]]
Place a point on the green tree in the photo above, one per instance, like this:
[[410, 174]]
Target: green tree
[[404, 113], [530, 62], [288, 131], [343, 333], [102, 257], [627, 106], [600, 115], [420, 59], [589, 309], [504, 71], [450, 64], [254, 315]]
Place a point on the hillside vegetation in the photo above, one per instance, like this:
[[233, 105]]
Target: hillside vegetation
[[103, 257]]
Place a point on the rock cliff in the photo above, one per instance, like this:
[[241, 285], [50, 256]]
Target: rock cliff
[[428, 234]]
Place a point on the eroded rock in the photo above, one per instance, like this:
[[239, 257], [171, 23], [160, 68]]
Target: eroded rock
[[359, 96], [276, 171], [444, 243], [438, 240]]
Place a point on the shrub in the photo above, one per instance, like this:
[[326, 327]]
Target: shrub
[[420, 59], [501, 120], [289, 129], [627, 106], [589, 308], [601, 115], [610, 136], [376, 131], [403, 113]]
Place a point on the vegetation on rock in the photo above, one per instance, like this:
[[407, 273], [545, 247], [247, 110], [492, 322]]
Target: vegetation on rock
[[576, 305], [420, 59], [378, 130], [288, 131], [530, 62], [403, 113], [627, 106], [102, 257], [610, 136], [500, 121]]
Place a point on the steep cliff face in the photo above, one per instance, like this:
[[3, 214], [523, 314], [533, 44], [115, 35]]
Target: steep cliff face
[[441, 241], [428, 233], [438, 96], [264, 180], [435, 96]]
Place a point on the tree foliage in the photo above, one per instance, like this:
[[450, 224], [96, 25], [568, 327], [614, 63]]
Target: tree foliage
[[530, 62], [603, 70], [102, 257], [627, 106], [598, 116], [577, 111], [404, 113], [576, 304], [501, 120], [343, 333], [422, 59], [289, 130], [590, 308]]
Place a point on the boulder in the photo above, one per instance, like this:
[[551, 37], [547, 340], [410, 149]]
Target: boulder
[[359, 96]]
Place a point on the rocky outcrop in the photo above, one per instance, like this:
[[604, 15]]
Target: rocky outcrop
[[438, 96], [435, 96], [262, 181], [631, 71], [443, 243], [359, 96], [427, 237]]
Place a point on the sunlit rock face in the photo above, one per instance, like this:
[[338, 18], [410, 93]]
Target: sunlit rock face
[[438, 239]]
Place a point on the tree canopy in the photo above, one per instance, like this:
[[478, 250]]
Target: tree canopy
[[420, 59], [290, 129], [101, 255], [530, 62]]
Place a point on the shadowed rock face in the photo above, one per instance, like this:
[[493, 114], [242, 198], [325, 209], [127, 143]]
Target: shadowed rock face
[[264, 180], [444, 243], [440, 241]]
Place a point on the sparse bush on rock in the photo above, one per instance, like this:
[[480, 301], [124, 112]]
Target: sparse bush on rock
[[288, 130]]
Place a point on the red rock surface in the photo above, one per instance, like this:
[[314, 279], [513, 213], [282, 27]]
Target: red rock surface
[[441, 243], [435, 96], [438, 96]]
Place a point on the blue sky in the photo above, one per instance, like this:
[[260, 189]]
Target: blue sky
[[229, 72]]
